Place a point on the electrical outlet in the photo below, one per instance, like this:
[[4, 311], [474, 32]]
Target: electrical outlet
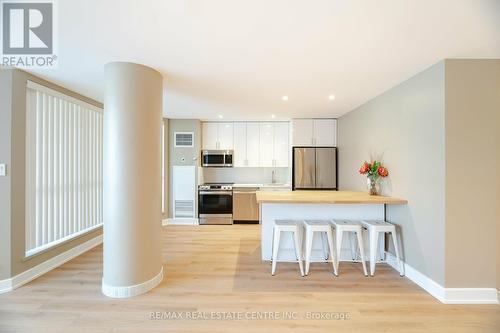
[[3, 170]]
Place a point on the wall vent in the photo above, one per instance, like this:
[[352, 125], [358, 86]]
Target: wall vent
[[184, 208], [184, 139]]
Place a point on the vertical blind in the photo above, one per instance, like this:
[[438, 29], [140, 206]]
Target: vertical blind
[[64, 168]]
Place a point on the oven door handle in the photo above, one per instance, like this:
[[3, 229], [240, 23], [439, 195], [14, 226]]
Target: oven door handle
[[215, 192]]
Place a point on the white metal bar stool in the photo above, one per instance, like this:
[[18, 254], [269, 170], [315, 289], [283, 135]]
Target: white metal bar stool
[[295, 228], [375, 228], [324, 228], [353, 226]]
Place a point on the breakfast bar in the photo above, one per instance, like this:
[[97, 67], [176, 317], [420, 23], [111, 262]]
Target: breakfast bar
[[316, 205]]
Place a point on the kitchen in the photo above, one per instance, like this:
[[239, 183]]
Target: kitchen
[[237, 159], [243, 163]]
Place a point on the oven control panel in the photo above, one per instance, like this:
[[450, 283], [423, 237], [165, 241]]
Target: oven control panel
[[225, 187]]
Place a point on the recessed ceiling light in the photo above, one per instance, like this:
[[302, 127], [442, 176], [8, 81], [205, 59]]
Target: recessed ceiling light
[[285, 98], [220, 116], [273, 116], [331, 97]]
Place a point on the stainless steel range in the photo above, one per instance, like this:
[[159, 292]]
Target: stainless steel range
[[215, 203]]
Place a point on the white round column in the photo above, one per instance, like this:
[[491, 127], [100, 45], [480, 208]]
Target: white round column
[[132, 179]]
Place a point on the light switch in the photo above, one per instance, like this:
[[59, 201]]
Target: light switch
[[3, 170]]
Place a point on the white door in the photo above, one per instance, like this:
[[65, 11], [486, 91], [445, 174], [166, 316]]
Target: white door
[[209, 136], [225, 134], [253, 144], [325, 132], [240, 145], [302, 132], [281, 148], [266, 144]]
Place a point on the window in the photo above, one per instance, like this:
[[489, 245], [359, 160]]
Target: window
[[64, 168]]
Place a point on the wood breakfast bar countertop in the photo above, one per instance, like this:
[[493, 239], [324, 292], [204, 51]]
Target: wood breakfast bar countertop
[[326, 197], [316, 205]]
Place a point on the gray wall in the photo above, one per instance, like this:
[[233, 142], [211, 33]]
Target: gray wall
[[183, 156], [405, 128], [472, 154], [438, 133], [5, 188], [17, 169]]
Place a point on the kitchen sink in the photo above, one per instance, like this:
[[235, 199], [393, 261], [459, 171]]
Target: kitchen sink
[[275, 185]]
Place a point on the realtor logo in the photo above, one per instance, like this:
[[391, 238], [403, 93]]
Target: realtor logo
[[28, 34]]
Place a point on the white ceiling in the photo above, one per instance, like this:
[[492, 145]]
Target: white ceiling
[[237, 58]]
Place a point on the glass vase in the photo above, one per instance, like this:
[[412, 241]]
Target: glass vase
[[372, 185]]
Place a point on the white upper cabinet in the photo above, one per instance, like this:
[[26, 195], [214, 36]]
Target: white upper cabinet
[[314, 132], [281, 145], [325, 132], [253, 144], [246, 144], [266, 145], [217, 135], [274, 144], [210, 139], [225, 136], [302, 132], [240, 145]]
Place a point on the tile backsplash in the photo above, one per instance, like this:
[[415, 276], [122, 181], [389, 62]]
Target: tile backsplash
[[245, 175]]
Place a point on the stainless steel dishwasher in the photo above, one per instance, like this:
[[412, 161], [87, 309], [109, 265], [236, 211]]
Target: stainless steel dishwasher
[[245, 206]]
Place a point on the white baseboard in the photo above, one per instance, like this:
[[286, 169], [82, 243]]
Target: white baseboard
[[471, 296], [34, 272], [187, 221], [130, 291], [448, 295]]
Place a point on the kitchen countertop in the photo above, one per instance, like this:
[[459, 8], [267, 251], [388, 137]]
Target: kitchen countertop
[[326, 197], [262, 185]]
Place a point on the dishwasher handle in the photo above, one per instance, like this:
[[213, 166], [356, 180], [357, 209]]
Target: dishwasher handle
[[244, 192]]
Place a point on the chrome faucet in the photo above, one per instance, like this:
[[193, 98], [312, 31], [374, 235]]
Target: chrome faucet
[[273, 177]]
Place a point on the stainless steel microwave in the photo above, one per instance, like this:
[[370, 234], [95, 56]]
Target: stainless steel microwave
[[217, 158]]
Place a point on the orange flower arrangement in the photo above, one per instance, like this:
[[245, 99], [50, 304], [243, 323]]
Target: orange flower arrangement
[[373, 171]]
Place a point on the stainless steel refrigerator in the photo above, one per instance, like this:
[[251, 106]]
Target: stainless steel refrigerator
[[314, 168]]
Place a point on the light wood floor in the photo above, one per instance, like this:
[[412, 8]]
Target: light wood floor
[[218, 268]]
